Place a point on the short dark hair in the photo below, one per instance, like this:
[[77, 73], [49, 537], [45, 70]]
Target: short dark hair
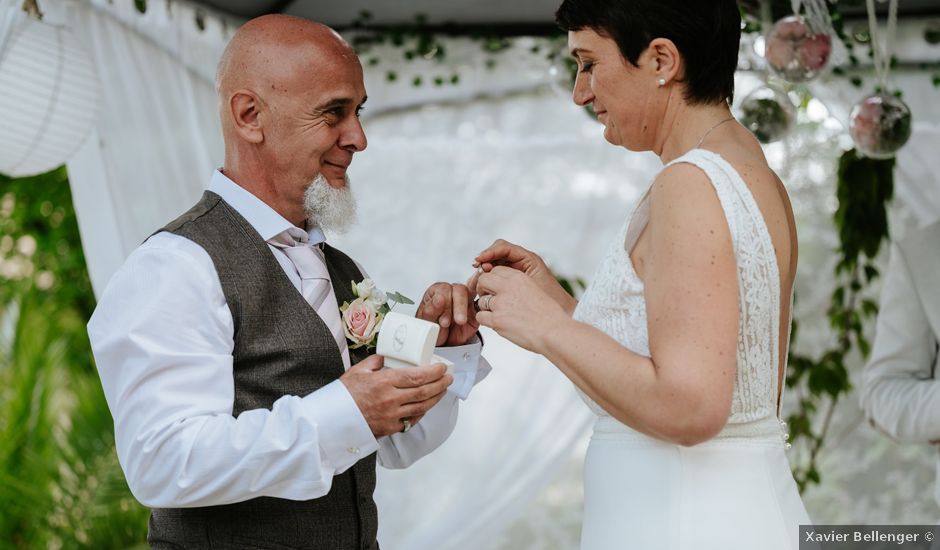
[[707, 34]]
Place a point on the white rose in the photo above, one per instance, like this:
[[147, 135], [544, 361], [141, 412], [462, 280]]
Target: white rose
[[365, 288], [378, 297]]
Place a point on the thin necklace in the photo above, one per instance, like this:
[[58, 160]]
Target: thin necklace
[[701, 141]]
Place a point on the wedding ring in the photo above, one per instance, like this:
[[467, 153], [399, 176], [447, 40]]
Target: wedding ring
[[405, 425], [484, 302]]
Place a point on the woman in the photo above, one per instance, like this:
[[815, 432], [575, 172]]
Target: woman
[[679, 343]]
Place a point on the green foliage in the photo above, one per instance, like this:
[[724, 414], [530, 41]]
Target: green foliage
[[60, 483], [399, 298], [40, 249], [574, 286], [864, 188], [418, 39]]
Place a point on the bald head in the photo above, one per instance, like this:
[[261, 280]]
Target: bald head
[[273, 50], [290, 94]]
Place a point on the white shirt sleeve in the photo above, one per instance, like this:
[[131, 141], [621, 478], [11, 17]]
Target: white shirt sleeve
[[900, 392], [162, 336], [404, 449], [401, 450]]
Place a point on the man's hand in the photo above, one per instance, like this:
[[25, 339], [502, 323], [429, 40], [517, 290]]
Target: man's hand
[[450, 306], [387, 396]]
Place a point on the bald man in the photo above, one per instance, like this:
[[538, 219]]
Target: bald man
[[242, 416]]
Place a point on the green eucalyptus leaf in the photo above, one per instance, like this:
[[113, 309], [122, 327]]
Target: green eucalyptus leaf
[[864, 347]]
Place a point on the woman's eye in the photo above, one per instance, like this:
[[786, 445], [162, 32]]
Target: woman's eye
[[586, 67], [359, 110]]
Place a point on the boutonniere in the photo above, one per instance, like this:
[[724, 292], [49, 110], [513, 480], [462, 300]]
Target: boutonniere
[[363, 318]]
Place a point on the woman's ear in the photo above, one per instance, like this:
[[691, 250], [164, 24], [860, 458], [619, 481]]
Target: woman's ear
[[245, 110], [665, 61]]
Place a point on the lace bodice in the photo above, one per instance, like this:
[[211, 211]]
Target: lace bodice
[[614, 301]]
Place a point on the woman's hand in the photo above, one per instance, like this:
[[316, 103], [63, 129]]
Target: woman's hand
[[504, 253], [513, 305]]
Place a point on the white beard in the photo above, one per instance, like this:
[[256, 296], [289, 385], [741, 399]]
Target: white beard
[[331, 208]]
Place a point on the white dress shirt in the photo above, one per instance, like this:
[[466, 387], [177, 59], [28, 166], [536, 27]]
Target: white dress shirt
[[900, 391], [162, 336]]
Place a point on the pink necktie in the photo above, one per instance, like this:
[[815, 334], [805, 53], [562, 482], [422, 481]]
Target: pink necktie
[[315, 285]]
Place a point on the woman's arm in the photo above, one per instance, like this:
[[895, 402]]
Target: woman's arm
[[683, 392]]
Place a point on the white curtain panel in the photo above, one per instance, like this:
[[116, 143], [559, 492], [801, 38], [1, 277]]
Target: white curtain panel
[[10, 15], [449, 169], [157, 138], [531, 169]]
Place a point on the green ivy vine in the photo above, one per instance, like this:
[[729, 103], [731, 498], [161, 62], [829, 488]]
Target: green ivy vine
[[864, 188]]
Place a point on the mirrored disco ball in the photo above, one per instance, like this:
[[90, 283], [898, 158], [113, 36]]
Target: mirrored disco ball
[[880, 125], [794, 52]]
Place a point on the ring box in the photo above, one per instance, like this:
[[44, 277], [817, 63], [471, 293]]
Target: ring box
[[408, 342]]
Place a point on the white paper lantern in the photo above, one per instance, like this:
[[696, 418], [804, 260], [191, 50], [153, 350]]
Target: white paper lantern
[[50, 89]]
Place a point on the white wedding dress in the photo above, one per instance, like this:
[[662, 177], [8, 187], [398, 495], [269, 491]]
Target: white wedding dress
[[736, 491]]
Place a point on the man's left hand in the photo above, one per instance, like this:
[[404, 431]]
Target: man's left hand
[[449, 305]]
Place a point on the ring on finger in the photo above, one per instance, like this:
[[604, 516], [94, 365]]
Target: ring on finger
[[484, 302], [405, 425]]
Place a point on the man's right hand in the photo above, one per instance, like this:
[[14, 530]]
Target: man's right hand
[[386, 396]]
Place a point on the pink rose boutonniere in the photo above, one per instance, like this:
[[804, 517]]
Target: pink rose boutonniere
[[363, 318]]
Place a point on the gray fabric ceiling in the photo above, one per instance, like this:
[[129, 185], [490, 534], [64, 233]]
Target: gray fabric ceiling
[[341, 13]]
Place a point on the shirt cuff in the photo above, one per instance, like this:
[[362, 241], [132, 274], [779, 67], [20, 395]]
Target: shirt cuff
[[469, 366], [345, 436]]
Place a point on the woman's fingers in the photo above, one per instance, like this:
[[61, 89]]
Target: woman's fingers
[[472, 283], [494, 281], [500, 253]]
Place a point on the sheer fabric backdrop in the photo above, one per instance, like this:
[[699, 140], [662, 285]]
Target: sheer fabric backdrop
[[449, 169]]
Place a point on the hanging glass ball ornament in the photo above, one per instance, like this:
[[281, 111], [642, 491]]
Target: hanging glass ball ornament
[[794, 52], [767, 113], [880, 125]]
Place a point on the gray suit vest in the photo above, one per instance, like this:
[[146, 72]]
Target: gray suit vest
[[282, 347]]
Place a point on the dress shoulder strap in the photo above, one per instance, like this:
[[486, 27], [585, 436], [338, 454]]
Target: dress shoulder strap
[[758, 272], [723, 183]]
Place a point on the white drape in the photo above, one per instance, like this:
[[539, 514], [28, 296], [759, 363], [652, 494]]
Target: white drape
[[448, 169], [9, 16]]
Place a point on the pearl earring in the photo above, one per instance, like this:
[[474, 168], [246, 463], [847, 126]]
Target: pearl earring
[[662, 82]]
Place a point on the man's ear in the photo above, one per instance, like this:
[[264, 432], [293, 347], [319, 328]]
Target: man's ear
[[666, 61], [245, 110]]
